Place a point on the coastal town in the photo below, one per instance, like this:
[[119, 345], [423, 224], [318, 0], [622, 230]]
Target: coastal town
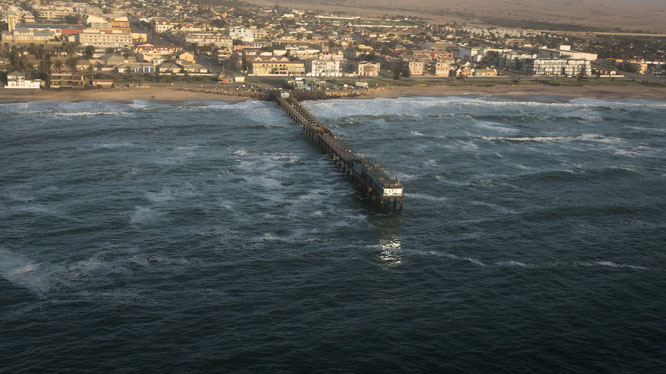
[[240, 48]]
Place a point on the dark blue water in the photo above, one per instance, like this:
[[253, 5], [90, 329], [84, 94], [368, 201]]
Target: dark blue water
[[204, 237]]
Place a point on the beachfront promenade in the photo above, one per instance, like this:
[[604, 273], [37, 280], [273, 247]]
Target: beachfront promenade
[[369, 177]]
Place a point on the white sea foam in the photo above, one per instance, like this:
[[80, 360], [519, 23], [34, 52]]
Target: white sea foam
[[583, 137], [269, 183], [85, 114], [142, 214], [513, 263], [172, 193], [405, 177], [448, 255], [112, 145], [415, 133], [612, 265], [23, 272], [487, 125], [419, 196]]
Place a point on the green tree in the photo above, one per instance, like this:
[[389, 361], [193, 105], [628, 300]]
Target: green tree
[[89, 51], [44, 68], [28, 68], [41, 52], [71, 63]]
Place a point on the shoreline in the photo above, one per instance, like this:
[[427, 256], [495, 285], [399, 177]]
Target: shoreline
[[170, 95], [123, 95], [570, 92]]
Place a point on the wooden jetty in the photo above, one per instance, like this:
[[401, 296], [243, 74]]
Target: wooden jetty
[[371, 178]]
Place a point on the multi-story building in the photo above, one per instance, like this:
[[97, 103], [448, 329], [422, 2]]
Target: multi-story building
[[565, 52], [274, 66], [323, 68], [67, 79], [368, 69], [149, 52], [416, 67], [555, 67], [23, 35], [161, 25], [100, 39], [53, 12], [202, 38], [13, 17], [17, 80], [241, 33], [513, 60], [441, 69], [260, 33], [121, 24]]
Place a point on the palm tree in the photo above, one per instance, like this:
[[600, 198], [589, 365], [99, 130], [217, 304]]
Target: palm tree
[[72, 62], [28, 68], [44, 68], [57, 65]]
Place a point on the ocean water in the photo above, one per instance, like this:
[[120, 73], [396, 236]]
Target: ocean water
[[211, 236]]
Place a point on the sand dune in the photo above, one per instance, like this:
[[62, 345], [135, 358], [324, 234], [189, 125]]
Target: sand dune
[[646, 15]]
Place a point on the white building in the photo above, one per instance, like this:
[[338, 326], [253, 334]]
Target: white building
[[565, 52], [161, 25], [368, 69], [17, 80], [441, 69], [241, 33], [555, 67], [104, 39], [323, 68], [206, 38]]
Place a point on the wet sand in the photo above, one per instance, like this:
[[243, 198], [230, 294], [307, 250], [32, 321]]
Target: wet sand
[[166, 94], [600, 92], [161, 94]]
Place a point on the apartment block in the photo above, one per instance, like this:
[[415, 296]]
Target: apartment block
[[275, 66], [105, 40]]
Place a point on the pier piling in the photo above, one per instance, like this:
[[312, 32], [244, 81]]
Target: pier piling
[[370, 177]]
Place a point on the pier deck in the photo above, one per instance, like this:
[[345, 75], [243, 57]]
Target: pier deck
[[371, 178]]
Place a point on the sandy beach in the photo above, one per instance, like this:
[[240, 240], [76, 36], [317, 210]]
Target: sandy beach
[[167, 94], [161, 94]]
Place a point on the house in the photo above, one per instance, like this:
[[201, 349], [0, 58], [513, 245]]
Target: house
[[102, 83], [323, 68], [135, 68], [17, 80], [169, 68], [465, 71], [487, 73], [368, 69], [186, 56], [149, 52], [416, 67], [194, 69], [441, 69]]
